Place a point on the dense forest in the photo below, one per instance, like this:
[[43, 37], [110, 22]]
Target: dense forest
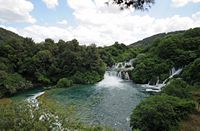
[[25, 64]]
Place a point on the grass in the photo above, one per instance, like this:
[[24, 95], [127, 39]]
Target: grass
[[192, 123]]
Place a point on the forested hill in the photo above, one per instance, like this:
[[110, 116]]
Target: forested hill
[[6, 35], [150, 40], [25, 64], [179, 49]]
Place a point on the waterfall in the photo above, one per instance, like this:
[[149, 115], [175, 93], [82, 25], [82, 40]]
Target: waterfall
[[33, 99], [111, 81], [127, 76], [120, 74], [158, 87], [157, 83], [121, 69], [175, 72]]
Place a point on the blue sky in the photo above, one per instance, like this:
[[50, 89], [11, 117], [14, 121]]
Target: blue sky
[[91, 21]]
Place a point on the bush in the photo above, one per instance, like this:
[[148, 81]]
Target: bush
[[178, 88], [64, 82], [161, 112], [14, 82], [42, 78], [89, 77], [191, 73]]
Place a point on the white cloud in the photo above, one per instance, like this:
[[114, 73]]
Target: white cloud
[[16, 11], [39, 33], [51, 3], [97, 23], [180, 3], [62, 22]]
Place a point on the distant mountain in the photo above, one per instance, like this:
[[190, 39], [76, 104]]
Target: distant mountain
[[6, 35], [150, 40]]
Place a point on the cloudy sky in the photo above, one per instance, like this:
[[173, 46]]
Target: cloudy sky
[[91, 21]]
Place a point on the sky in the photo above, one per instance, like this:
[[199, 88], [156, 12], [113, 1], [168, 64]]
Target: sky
[[92, 21]]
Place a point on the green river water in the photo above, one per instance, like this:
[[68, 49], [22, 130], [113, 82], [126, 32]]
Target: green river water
[[108, 103]]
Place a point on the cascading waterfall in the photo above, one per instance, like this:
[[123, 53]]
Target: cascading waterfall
[[158, 86], [158, 81], [121, 69], [127, 76], [33, 99]]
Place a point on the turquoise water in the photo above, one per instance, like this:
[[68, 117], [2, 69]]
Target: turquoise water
[[108, 103], [22, 95]]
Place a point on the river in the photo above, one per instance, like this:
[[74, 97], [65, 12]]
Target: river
[[108, 103]]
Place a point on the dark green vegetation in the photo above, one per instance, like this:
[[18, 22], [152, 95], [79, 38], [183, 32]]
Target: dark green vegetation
[[24, 64], [161, 112], [49, 116], [166, 110], [177, 50], [64, 82], [157, 55], [178, 100], [118, 53]]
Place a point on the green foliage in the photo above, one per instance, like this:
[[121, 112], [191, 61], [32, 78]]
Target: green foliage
[[24, 116], [118, 53], [18, 117], [178, 88], [86, 78], [42, 78], [64, 82], [14, 82], [176, 49], [161, 112], [149, 69], [191, 73], [47, 62], [8, 35]]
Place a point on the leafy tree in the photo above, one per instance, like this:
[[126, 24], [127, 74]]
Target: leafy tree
[[178, 88], [149, 69], [137, 4], [191, 73], [15, 82], [64, 82], [160, 112]]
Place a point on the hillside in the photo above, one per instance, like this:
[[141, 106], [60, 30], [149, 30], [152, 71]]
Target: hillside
[[150, 40], [6, 35]]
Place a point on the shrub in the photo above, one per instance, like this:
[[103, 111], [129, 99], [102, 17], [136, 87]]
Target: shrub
[[42, 78], [14, 82], [89, 77], [178, 88], [160, 112], [191, 73], [64, 82]]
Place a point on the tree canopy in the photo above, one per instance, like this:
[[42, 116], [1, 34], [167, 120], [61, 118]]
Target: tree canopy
[[136, 4]]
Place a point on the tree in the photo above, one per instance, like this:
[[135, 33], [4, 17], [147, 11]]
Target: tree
[[64, 82], [136, 4], [160, 112], [178, 88]]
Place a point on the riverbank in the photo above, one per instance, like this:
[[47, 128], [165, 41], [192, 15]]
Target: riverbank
[[5, 101]]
